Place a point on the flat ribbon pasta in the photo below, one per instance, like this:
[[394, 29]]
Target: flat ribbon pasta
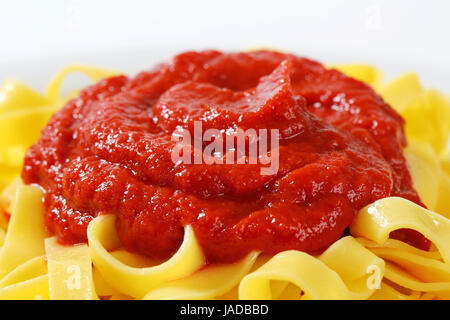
[[69, 271], [377, 220], [95, 74], [329, 276], [132, 281], [362, 72], [26, 230], [380, 268], [24, 112], [387, 292], [208, 283], [33, 268], [32, 289]]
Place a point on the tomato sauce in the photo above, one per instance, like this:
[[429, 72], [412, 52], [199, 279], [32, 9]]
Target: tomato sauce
[[108, 151]]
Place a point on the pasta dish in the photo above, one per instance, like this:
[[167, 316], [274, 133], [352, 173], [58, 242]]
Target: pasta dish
[[250, 175]]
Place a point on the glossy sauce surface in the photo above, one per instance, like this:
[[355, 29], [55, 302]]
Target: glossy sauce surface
[[109, 151]]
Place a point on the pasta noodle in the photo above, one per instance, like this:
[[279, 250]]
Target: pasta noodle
[[378, 220], [34, 266], [69, 271], [26, 231], [208, 283], [328, 277], [136, 282]]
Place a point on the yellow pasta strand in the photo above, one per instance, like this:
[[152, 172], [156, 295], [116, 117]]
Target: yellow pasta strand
[[401, 246], [120, 296], [428, 120], [377, 220], [328, 277], [425, 171], [363, 72], [69, 271], [23, 127], [290, 292], [7, 197], [406, 280], [402, 91], [26, 231], [386, 292], [133, 281], [33, 268], [134, 260], [16, 96], [430, 180], [205, 284], [33, 289], [95, 74], [23, 114], [102, 287], [2, 236], [410, 273]]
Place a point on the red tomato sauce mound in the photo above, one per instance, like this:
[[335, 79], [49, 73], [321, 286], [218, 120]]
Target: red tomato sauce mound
[[108, 151]]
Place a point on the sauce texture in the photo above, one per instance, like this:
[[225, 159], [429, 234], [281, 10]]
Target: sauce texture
[[108, 151]]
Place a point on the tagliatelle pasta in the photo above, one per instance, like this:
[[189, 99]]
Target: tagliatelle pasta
[[136, 282], [69, 271], [26, 230], [368, 264], [211, 282], [376, 222], [329, 276]]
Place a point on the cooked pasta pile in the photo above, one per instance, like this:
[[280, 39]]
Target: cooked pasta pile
[[366, 265]]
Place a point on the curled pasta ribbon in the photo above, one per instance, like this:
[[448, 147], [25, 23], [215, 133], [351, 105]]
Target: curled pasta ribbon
[[428, 120], [329, 276], [401, 246], [207, 283], [362, 72], [412, 268], [132, 281], [425, 171], [95, 74], [377, 220]]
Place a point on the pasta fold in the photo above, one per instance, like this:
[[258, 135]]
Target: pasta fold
[[33, 266], [26, 230], [329, 276], [377, 220], [132, 281], [69, 271]]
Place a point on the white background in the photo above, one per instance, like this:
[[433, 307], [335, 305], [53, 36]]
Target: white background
[[39, 37]]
